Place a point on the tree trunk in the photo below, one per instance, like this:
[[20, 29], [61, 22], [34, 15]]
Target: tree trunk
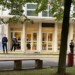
[[64, 37]]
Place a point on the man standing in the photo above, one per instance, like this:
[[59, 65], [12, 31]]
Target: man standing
[[14, 43], [4, 44], [72, 46]]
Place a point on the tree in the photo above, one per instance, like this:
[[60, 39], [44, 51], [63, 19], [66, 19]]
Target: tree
[[57, 11], [64, 37]]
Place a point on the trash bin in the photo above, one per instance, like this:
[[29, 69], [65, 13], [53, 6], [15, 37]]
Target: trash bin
[[70, 59]]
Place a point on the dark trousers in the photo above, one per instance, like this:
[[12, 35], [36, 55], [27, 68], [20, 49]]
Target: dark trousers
[[13, 47], [71, 50], [4, 46]]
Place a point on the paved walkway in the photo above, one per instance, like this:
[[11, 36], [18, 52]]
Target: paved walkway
[[48, 60]]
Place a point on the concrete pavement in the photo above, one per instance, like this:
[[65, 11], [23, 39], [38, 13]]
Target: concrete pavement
[[48, 61]]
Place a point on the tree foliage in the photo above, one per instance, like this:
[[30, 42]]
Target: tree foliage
[[56, 9]]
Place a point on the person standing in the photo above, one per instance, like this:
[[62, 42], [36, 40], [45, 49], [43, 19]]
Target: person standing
[[4, 44], [71, 46], [14, 44]]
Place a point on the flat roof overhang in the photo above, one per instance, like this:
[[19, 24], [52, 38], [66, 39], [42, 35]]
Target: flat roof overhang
[[39, 19]]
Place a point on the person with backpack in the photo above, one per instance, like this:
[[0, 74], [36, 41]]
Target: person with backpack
[[14, 44], [4, 44], [71, 46]]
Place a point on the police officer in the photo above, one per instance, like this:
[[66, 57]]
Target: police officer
[[72, 46], [14, 43], [4, 44]]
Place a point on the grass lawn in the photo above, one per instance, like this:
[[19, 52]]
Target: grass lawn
[[48, 71]]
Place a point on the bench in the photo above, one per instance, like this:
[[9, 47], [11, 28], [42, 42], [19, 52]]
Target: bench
[[18, 62]]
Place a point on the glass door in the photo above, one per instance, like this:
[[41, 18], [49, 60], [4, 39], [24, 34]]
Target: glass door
[[50, 36], [47, 41], [44, 41], [34, 41], [18, 36], [31, 42]]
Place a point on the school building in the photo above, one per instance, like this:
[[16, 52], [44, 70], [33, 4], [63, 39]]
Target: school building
[[42, 36]]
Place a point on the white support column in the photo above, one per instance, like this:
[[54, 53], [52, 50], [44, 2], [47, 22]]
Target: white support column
[[23, 44], [7, 32], [40, 38], [54, 45], [70, 36]]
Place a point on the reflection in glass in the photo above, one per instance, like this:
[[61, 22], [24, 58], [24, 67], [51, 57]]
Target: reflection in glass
[[44, 45], [47, 41], [44, 37], [28, 37], [18, 37], [59, 38], [34, 36], [49, 37], [28, 45], [49, 45], [31, 41], [31, 6], [34, 46]]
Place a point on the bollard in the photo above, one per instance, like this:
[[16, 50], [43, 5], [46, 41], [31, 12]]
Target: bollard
[[70, 59]]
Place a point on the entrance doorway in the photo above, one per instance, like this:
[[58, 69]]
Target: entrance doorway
[[47, 41], [16, 34], [31, 41]]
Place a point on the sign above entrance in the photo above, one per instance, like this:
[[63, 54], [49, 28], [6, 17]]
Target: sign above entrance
[[48, 24]]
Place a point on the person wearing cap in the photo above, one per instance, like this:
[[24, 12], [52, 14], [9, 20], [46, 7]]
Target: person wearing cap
[[71, 46], [4, 44], [14, 43]]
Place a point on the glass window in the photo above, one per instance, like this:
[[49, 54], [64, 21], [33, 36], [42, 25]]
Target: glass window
[[59, 38], [31, 41], [31, 9], [28, 37], [34, 41], [44, 13], [47, 41], [18, 37], [49, 37], [50, 45], [31, 13], [44, 45], [28, 45], [44, 37], [34, 46], [34, 36], [31, 6]]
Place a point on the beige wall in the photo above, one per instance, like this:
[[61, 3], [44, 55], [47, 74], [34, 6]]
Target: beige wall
[[37, 27]]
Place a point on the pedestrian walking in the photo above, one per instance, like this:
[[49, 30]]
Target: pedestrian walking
[[14, 44], [71, 46], [4, 44]]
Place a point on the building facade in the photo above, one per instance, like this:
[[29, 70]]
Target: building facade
[[42, 36]]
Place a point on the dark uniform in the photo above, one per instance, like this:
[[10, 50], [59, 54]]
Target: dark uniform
[[14, 43], [72, 47], [4, 44]]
